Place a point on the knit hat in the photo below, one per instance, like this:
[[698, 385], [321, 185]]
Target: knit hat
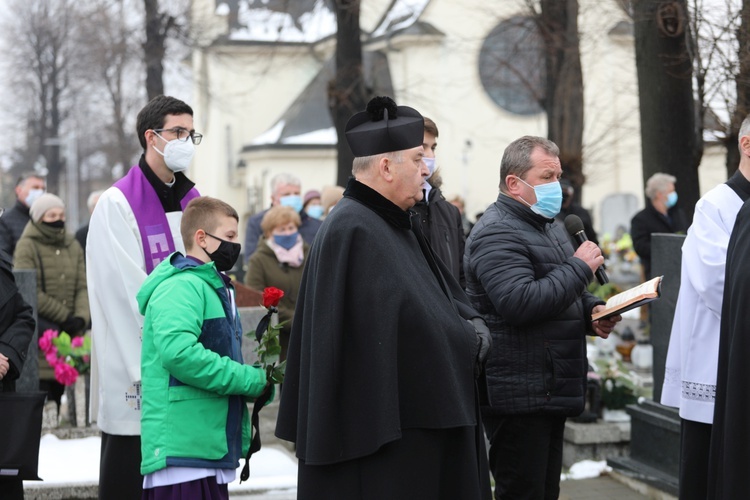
[[44, 203], [383, 128], [309, 196]]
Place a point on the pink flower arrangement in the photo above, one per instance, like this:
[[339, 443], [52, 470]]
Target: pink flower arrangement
[[68, 357]]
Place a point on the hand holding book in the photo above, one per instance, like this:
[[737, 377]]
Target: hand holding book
[[631, 298]]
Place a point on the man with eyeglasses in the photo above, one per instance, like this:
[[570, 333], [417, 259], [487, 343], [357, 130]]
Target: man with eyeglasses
[[135, 225]]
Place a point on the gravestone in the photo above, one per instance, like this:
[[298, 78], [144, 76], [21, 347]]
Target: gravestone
[[29, 379], [616, 210], [655, 428], [250, 316]]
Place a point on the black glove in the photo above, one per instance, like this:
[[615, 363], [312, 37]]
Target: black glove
[[484, 343], [73, 326]]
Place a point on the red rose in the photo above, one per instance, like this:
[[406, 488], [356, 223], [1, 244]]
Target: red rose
[[272, 296]]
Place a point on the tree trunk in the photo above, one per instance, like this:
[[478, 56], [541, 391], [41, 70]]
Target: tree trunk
[[669, 141], [742, 84], [153, 49], [563, 100], [346, 92]]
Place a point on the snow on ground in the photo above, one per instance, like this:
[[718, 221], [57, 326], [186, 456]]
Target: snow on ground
[[66, 461], [586, 469], [69, 461]]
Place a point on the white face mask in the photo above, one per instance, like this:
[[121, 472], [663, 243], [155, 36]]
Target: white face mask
[[430, 162], [33, 195], [177, 154]]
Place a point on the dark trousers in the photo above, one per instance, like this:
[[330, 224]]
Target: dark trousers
[[526, 455], [120, 468], [695, 446], [11, 489], [203, 489]]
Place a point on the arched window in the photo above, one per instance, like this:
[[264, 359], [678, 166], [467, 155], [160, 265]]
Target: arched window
[[511, 66]]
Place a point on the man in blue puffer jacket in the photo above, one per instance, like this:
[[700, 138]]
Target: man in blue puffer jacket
[[524, 277]]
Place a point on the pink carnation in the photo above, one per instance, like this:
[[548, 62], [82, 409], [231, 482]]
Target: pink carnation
[[86, 358], [65, 374], [51, 358], [76, 342], [45, 341]]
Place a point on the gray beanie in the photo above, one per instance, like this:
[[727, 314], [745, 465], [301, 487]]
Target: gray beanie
[[44, 203]]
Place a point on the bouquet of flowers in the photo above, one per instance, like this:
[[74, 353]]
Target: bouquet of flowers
[[267, 335], [68, 357]]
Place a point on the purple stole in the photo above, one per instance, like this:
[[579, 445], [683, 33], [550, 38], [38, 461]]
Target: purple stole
[[149, 215]]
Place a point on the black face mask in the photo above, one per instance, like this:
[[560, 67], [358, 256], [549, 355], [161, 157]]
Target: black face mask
[[58, 224], [226, 255]]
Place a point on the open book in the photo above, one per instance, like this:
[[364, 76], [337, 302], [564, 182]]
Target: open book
[[630, 299]]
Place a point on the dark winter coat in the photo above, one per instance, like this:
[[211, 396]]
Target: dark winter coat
[[377, 344], [730, 439], [16, 325], [443, 228], [522, 277], [649, 221], [57, 259], [12, 224]]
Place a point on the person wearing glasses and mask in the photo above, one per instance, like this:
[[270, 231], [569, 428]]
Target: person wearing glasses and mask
[[135, 225]]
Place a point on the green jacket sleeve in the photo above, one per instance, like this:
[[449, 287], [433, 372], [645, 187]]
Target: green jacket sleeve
[[175, 313]]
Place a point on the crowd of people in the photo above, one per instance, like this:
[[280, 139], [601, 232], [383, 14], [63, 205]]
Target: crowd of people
[[410, 334]]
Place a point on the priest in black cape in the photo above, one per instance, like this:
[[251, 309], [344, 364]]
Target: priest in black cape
[[379, 394], [729, 459]]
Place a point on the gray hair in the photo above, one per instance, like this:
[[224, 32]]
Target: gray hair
[[517, 156], [362, 163], [283, 179], [744, 130], [93, 198], [658, 183]]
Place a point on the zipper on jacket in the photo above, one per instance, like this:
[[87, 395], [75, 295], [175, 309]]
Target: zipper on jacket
[[549, 371]]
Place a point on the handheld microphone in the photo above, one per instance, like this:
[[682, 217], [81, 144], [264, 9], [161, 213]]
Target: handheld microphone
[[574, 226]]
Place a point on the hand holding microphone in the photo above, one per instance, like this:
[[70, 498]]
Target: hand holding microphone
[[587, 251]]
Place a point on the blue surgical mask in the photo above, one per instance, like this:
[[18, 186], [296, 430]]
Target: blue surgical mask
[[315, 211], [671, 199], [286, 240], [430, 162], [548, 198], [292, 200], [33, 195]]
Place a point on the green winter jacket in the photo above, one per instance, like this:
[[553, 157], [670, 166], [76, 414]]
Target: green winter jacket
[[194, 382]]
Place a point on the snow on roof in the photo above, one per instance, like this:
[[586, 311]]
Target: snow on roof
[[401, 15], [270, 136], [265, 25], [325, 136]]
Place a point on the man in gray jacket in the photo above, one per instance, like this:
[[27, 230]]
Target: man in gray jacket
[[529, 284]]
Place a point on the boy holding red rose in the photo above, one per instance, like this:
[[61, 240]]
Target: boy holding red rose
[[194, 425]]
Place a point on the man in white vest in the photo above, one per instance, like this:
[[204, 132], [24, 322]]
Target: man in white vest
[[135, 225]]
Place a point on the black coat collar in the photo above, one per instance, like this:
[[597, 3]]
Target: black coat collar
[[522, 211], [378, 204]]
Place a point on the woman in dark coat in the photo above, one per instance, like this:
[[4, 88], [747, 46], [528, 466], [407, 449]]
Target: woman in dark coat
[[278, 261]]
